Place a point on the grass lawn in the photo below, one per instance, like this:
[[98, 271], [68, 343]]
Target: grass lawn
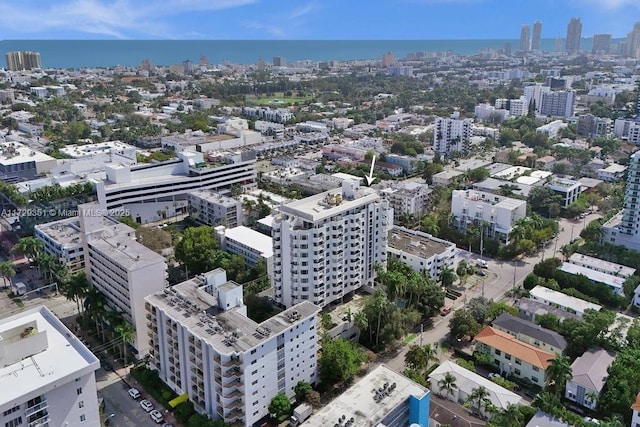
[[409, 338], [277, 100]]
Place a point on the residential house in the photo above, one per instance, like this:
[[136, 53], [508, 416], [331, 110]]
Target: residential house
[[562, 301], [589, 376], [512, 356], [531, 333]]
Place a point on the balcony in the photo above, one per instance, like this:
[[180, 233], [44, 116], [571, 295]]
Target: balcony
[[233, 372], [236, 404], [42, 421], [231, 393], [36, 408], [234, 361]]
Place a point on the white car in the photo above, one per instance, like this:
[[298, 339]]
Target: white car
[[156, 416], [134, 393], [493, 375], [146, 405]]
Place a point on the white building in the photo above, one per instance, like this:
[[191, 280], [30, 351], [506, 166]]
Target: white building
[[382, 398], [567, 188], [104, 152], [47, 376], [123, 270], [279, 115], [408, 198], [471, 207], [326, 246], [466, 382], [517, 107], [18, 162], [601, 265], [211, 208], [612, 173], [204, 345], [627, 130], [552, 129], [63, 239], [421, 251], [614, 282], [251, 245], [562, 301], [152, 192], [451, 135], [589, 376]]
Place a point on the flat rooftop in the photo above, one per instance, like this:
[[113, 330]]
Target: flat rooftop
[[12, 153], [423, 246], [358, 402], [60, 355], [230, 331], [79, 151], [212, 196], [596, 276], [125, 251], [252, 239], [603, 265], [562, 300], [67, 231]]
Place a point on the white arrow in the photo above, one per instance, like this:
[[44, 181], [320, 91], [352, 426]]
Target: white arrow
[[370, 178]]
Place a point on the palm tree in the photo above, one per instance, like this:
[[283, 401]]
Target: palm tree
[[591, 398], [448, 384], [95, 307], [477, 399], [447, 277], [6, 271], [361, 322], [511, 416], [29, 247], [419, 358], [558, 373], [75, 288], [125, 331], [47, 265], [518, 233]]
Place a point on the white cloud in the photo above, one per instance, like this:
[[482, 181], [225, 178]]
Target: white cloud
[[304, 10], [115, 18], [272, 30]]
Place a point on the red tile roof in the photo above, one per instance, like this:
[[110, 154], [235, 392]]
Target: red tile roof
[[507, 343]]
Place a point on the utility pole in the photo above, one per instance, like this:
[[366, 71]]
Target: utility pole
[[514, 278], [421, 331]]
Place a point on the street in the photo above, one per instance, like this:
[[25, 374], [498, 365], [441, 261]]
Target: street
[[499, 280]]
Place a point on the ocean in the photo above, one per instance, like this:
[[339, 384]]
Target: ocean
[[108, 53]]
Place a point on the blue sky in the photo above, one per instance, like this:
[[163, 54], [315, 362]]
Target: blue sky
[[308, 19]]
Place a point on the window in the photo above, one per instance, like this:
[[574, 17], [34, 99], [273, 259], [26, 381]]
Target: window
[[536, 369], [11, 411], [79, 391], [507, 356], [518, 361], [83, 418], [498, 352], [81, 404], [517, 371], [14, 422]]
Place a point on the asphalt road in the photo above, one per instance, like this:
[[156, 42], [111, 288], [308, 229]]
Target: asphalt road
[[499, 280]]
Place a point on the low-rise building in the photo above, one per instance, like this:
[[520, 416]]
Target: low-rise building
[[422, 251], [408, 198], [251, 245], [212, 208], [601, 265], [475, 208], [382, 397], [204, 345], [614, 282], [466, 382], [446, 177], [612, 173], [562, 301], [542, 419], [531, 333], [589, 375], [530, 309], [512, 356], [47, 376], [19, 162], [567, 188]]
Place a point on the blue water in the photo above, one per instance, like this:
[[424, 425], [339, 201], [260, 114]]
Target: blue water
[[107, 53]]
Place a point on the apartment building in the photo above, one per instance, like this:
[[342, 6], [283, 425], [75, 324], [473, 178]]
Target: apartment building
[[562, 301], [123, 270], [512, 356], [451, 134], [19, 162], [47, 376], [251, 245], [408, 198], [422, 251], [531, 333], [558, 103], [204, 345], [211, 208], [567, 188], [475, 208], [63, 239], [278, 115], [23, 60], [614, 282], [152, 192], [589, 374], [326, 246], [601, 265], [612, 173]]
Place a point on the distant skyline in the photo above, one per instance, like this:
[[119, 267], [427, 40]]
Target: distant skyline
[[308, 20]]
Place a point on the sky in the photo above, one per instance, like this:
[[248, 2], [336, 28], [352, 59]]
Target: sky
[[308, 19]]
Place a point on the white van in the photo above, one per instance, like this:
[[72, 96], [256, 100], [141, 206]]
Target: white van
[[481, 263]]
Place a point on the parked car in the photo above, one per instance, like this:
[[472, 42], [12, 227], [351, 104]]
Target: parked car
[[445, 311], [146, 405], [481, 273], [156, 416], [493, 375], [134, 393]]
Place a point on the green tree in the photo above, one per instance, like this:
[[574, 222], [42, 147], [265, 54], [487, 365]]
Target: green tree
[[302, 390], [447, 384], [478, 399], [447, 277], [7, 271], [280, 405], [462, 324], [511, 416], [558, 373], [95, 307], [196, 249], [420, 358], [30, 247], [340, 360], [76, 288], [622, 385], [125, 332]]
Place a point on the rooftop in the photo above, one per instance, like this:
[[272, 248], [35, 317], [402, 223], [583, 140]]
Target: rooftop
[[518, 349], [67, 231], [590, 369], [12, 153], [229, 331], [601, 264], [537, 308], [558, 298], [251, 238], [593, 275], [212, 196], [125, 251], [358, 401], [542, 419], [418, 244], [38, 350], [517, 325]]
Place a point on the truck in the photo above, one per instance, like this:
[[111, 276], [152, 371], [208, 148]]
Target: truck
[[18, 288], [301, 413], [482, 263]]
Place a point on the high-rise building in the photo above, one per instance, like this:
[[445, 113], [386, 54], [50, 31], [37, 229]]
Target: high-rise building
[[388, 59], [537, 34], [451, 135], [558, 103], [47, 376], [23, 60], [633, 42], [326, 246], [574, 33], [558, 46], [279, 61], [601, 43], [204, 345], [524, 39], [122, 269], [507, 48]]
